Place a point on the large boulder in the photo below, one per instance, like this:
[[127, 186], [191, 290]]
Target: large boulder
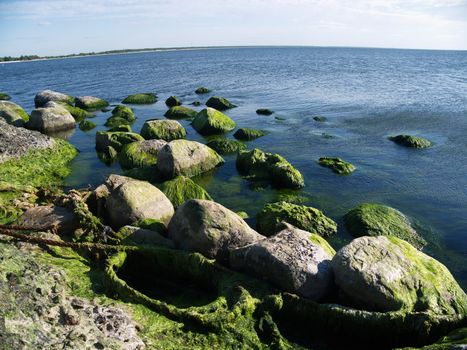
[[52, 117], [290, 260], [167, 130], [209, 228], [188, 158], [43, 97], [140, 154], [306, 218], [371, 219], [115, 139], [210, 121], [12, 113], [219, 103], [90, 102], [385, 273], [181, 189]]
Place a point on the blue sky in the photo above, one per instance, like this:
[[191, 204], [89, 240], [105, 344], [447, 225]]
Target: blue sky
[[50, 27]]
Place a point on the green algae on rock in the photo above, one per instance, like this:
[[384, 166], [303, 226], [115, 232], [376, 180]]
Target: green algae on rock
[[247, 134], [202, 90], [306, 218], [140, 99], [167, 130], [211, 121], [180, 112], [153, 225], [87, 125], [124, 112], [12, 113], [115, 139], [120, 127], [337, 165], [219, 103], [411, 141], [140, 154], [90, 102], [173, 101], [370, 219], [46, 96], [264, 111], [77, 113], [181, 189], [226, 146], [4, 96]]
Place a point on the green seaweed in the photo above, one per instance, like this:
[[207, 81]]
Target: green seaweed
[[226, 146], [211, 121], [181, 189], [337, 165], [87, 125], [78, 113], [180, 112], [133, 155], [140, 99]]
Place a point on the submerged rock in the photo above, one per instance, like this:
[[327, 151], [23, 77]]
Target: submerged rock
[[87, 125], [12, 113], [290, 260], [115, 139], [181, 189], [50, 217], [219, 103], [140, 99], [306, 218], [140, 154], [173, 101], [226, 146], [202, 90], [337, 165], [411, 141], [51, 117], [247, 134], [319, 118], [188, 158], [4, 96], [167, 130], [90, 102], [210, 121], [209, 228], [180, 112], [385, 273], [196, 103], [264, 111], [372, 219], [43, 97]]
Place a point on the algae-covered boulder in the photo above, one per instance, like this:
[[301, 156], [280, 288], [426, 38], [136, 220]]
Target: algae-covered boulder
[[173, 101], [140, 154], [180, 112], [411, 141], [264, 111], [136, 235], [52, 117], [115, 139], [90, 102], [303, 217], [385, 273], [181, 189], [290, 260], [188, 158], [140, 99], [12, 113], [247, 134], [209, 228], [43, 97], [87, 125], [226, 146], [371, 219], [120, 127], [77, 113], [219, 103], [202, 90], [124, 112], [4, 96], [337, 165], [211, 121], [167, 130], [259, 165]]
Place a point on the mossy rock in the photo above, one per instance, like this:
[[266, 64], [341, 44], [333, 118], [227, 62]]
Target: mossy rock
[[140, 99], [140, 154], [196, 103], [167, 130], [226, 146], [306, 218], [202, 90], [337, 165], [120, 127], [78, 113], [247, 134], [319, 118], [372, 219], [411, 141], [153, 225], [90, 103], [46, 96], [115, 139], [4, 97], [180, 112], [109, 154], [124, 112], [173, 101], [181, 189], [12, 113], [264, 111], [113, 122], [87, 125], [219, 103], [211, 121]]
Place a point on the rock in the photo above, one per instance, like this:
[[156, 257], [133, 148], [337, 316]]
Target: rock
[[202, 90], [226, 146], [303, 217], [337, 165], [123, 112], [411, 141], [114, 122], [319, 118], [264, 111], [290, 261], [209, 228], [258, 165], [124, 128], [188, 158], [140, 99], [180, 112], [90, 102], [167, 130], [196, 103], [385, 273], [173, 101], [219, 103], [247, 134], [210, 121], [115, 139], [140, 153], [152, 225], [77, 113], [109, 154], [181, 189], [12, 113], [87, 125], [372, 219], [50, 217], [43, 97], [4, 96], [136, 235], [51, 117]]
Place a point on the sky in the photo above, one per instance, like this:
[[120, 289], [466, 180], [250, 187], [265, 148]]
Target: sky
[[54, 27]]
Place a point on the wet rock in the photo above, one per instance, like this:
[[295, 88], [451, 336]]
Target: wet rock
[[196, 103], [50, 217], [140, 154], [4, 96], [115, 139], [202, 90], [180, 112], [12, 113], [173, 101], [77, 113], [319, 118], [210, 121], [219, 103], [226, 146], [90, 102], [264, 111], [140, 99], [181, 189], [120, 127], [43, 97], [411, 141], [121, 115], [337, 165], [50, 118], [247, 134], [137, 235], [87, 125], [167, 130]]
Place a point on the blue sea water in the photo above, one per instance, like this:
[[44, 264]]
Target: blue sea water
[[365, 94]]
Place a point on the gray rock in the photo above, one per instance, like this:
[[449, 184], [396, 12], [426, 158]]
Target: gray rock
[[133, 234], [12, 113], [43, 97], [52, 117], [290, 260], [50, 217], [90, 102], [209, 228]]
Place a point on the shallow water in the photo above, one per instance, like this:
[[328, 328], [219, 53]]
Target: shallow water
[[365, 94]]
